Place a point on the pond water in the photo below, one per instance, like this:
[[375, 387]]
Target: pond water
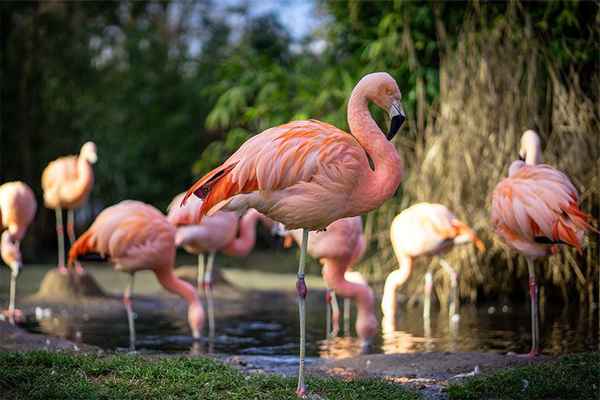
[[271, 327]]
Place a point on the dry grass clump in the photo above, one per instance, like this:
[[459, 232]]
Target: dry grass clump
[[494, 85]]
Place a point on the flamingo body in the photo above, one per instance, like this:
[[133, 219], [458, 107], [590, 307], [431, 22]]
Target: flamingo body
[[17, 209], [136, 236], [67, 181], [424, 229], [308, 174]]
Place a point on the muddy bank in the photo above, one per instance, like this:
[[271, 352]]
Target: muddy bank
[[13, 338]]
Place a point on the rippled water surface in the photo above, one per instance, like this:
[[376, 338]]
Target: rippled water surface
[[271, 328]]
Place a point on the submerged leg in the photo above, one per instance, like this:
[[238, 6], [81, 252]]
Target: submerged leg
[[61, 240], [427, 292], [454, 302], [302, 290], [128, 307], [209, 295], [535, 327], [11, 304]]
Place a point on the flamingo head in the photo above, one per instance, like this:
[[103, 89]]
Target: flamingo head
[[88, 152], [530, 150], [383, 90]]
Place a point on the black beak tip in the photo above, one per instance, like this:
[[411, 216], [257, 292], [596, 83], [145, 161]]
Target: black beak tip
[[521, 158], [396, 123]]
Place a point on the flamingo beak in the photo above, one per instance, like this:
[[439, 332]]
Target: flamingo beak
[[397, 117]]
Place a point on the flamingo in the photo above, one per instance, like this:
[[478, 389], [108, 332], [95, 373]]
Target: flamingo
[[534, 210], [219, 232], [424, 229], [136, 236], [67, 182], [17, 209], [307, 174], [338, 248]]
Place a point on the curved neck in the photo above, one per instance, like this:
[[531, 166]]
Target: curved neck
[[381, 182], [533, 155], [175, 285], [242, 245], [394, 280], [85, 173]]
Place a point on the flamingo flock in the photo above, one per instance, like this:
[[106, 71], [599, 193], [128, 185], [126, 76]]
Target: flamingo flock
[[316, 180]]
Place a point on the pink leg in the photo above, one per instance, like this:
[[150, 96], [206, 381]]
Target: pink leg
[[533, 294], [302, 290], [61, 241], [366, 323]]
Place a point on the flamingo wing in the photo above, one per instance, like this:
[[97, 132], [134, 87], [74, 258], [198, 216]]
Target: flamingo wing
[[538, 204], [282, 157]]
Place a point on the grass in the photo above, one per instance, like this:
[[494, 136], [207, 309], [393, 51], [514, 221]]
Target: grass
[[572, 377], [46, 375]]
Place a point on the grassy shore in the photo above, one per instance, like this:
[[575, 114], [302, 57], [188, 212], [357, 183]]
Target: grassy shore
[[572, 377], [55, 375], [44, 375]]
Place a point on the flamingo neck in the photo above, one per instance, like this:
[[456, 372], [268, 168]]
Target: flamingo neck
[[175, 285], [242, 245], [394, 280], [85, 174], [380, 182]]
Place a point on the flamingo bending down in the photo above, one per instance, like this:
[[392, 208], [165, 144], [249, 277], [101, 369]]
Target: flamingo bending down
[[534, 210], [17, 209], [136, 236], [338, 248], [219, 232], [307, 174], [423, 229], [67, 182]]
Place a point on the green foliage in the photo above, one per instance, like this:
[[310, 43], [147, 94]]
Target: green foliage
[[572, 377], [45, 375]]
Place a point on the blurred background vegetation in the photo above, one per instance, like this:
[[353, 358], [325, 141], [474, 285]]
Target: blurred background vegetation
[[168, 90]]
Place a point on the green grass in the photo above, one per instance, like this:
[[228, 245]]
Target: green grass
[[46, 375], [572, 377]]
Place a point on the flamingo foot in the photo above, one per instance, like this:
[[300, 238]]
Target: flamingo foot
[[62, 269], [79, 269], [301, 391], [16, 316]]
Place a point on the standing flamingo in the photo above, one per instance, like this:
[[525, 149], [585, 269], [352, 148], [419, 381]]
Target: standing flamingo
[[307, 174], [219, 232], [17, 209], [136, 236], [67, 182], [423, 229], [534, 210], [338, 248]]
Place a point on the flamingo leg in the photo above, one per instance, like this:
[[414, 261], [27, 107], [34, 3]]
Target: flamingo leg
[[454, 300], [535, 327], [301, 289], [427, 300], [61, 240], [332, 317], [128, 307], [71, 226], [209, 295], [200, 275], [346, 316], [328, 292], [335, 315], [11, 304]]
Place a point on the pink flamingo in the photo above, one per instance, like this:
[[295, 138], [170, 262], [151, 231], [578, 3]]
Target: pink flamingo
[[307, 174], [219, 232], [338, 248], [17, 209], [423, 229], [67, 182], [534, 210], [136, 236]]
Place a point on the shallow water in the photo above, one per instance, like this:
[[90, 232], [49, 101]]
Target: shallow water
[[271, 328]]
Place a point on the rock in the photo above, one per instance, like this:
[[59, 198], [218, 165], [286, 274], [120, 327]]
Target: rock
[[59, 286]]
